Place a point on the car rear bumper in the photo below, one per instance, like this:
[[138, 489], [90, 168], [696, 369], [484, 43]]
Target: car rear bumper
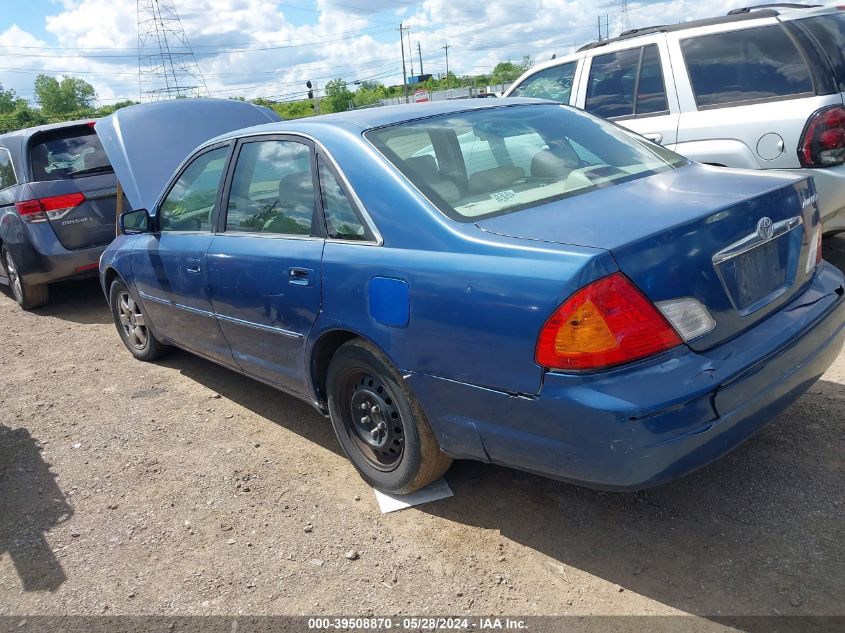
[[830, 186], [651, 422], [42, 259]]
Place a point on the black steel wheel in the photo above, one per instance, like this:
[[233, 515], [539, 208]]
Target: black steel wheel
[[379, 423]]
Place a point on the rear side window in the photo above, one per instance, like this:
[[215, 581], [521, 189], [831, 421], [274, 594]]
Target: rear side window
[[553, 83], [749, 65], [7, 170], [67, 153], [829, 31], [627, 83]]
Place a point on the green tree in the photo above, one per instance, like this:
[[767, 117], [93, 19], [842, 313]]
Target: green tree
[[337, 97], [69, 96], [110, 109]]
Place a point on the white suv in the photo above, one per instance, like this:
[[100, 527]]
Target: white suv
[[760, 88]]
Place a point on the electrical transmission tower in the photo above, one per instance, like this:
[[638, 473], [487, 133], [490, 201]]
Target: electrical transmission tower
[[167, 66], [624, 16]]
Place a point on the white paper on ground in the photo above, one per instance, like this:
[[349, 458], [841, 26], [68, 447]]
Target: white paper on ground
[[432, 492]]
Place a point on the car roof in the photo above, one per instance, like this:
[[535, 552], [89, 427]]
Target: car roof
[[785, 10], [28, 132], [358, 121]]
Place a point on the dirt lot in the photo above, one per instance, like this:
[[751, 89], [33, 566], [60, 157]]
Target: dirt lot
[[181, 487]]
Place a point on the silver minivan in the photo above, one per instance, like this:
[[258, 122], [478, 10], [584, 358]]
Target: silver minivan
[[758, 88]]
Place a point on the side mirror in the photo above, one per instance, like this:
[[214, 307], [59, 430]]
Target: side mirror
[[136, 221]]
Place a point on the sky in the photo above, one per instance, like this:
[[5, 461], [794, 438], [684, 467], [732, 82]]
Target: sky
[[264, 48]]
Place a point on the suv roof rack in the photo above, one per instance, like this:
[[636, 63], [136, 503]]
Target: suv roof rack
[[737, 15], [773, 5]]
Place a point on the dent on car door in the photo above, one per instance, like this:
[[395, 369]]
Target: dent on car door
[[169, 264], [634, 87], [264, 265]]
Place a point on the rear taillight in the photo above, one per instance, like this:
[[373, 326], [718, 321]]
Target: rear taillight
[[54, 207], [823, 141], [606, 323]]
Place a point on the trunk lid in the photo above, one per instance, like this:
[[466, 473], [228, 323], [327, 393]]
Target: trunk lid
[[146, 143], [692, 232]]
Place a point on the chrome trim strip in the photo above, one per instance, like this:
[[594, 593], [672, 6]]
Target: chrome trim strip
[[753, 240], [222, 317], [259, 326], [96, 194]]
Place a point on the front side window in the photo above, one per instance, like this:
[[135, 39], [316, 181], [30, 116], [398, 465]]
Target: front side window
[[272, 189], [627, 83], [553, 83], [749, 65], [70, 152], [342, 220], [7, 170], [544, 153], [189, 205]]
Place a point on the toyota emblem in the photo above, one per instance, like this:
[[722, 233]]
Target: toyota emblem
[[765, 228]]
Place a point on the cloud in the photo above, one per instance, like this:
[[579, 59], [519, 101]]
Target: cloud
[[254, 48]]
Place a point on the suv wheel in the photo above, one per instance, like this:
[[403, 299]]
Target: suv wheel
[[28, 296]]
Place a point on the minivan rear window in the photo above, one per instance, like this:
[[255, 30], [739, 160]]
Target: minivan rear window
[[749, 65], [70, 152], [829, 31], [481, 163]]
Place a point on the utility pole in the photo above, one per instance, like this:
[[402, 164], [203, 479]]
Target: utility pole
[[404, 73], [599, 19], [410, 51], [419, 50], [446, 48]]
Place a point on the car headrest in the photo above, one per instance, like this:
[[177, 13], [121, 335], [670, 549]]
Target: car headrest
[[425, 167], [494, 179], [296, 189], [552, 165]]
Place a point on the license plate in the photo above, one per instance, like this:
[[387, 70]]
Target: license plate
[[759, 272]]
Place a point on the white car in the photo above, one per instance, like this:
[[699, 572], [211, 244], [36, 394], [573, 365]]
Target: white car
[[760, 88]]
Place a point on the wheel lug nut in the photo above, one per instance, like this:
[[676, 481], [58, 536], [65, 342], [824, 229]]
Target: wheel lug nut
[[375, 410], [364, 406], [365, 420]]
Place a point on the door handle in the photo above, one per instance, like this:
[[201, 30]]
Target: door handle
[[299, 276], [193, 266], [654, 137]]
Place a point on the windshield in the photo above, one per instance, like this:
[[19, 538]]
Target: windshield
[[67, 153], [482, 163]]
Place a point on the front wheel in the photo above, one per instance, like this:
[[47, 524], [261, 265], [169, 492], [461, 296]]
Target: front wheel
[[378, 422], [131, 323], [27, 296]]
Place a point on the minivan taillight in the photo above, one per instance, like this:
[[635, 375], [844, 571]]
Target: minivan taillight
[[823, 140], [607, 323], [54, 207]]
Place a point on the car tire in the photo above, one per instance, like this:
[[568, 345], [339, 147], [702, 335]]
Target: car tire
[[28, 296], [131, 323], [379, 423]]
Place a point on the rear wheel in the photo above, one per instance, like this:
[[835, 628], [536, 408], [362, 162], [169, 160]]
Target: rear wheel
[[380, 425], [131, 323], [28, 296]]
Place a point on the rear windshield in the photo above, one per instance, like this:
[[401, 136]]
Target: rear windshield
[[829, 31], [482, 163], [748, 65], [67, 153]]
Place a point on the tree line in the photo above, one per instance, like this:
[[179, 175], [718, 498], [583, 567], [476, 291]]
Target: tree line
[[71, 98]]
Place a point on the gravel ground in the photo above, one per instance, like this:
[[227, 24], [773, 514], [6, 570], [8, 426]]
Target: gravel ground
[[184, 488]]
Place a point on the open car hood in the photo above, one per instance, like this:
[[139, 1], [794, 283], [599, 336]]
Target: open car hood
[[146, 143]]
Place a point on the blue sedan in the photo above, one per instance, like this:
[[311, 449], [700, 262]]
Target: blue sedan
[[515, 282]]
